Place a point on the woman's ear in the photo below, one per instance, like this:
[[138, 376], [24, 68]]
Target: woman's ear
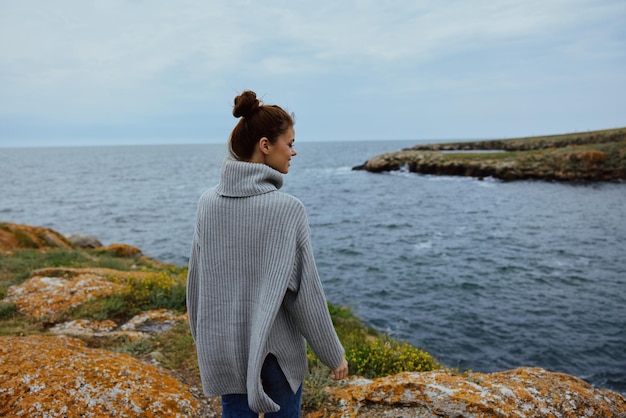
[[264, 145]]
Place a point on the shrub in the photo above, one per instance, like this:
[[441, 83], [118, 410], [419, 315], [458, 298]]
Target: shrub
[[373, 354], [7, 310], [153, 291], [314, 389], [110, 307], [369, 353], [385, 356], [137, 347], [110, 262], [65, 258], [140, 292], [171, 298], [178, 348]]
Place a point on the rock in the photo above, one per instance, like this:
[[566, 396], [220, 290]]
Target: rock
[[156, 356], [50, 296], [84, 327], [153, 322], [20, 237], [84, 240], [140, 326], [61, 377], [590, 156], [121, 250], [51, 292], [99, 329], [523, 392]]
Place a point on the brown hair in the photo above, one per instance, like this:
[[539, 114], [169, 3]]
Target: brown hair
[[257, 121]]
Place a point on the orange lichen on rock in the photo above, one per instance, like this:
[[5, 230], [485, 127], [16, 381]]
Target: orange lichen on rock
[[588, 156], [16, 237], [99, 271], [53, 291], [84, 327], [140, 326], [158, 319], [62, 377], [120, 250], [48, 297], [521, 392]]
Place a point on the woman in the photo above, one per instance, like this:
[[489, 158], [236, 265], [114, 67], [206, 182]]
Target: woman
[[254, 296]]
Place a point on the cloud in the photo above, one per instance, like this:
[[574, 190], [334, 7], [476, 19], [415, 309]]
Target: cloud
[[138, 62]]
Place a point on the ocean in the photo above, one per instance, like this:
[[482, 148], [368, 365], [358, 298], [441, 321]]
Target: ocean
[[484, 275]]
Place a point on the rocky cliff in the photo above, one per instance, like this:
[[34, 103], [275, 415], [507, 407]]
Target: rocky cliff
[[45, 376], [66, 334], [590, 156], [524, 392]]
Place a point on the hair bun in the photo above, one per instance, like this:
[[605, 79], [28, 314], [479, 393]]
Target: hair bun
[[246, 104]]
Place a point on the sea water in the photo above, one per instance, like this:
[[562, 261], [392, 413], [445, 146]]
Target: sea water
[[487, 275]]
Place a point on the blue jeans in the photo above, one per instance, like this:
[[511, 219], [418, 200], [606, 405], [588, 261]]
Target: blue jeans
[[276, 386]]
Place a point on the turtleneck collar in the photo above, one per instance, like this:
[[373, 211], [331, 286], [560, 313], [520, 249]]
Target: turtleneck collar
[[242, 179]]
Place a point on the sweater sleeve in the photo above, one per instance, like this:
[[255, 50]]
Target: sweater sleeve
[[308, 308], [192, 286]]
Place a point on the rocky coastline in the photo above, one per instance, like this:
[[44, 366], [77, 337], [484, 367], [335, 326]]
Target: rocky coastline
[[589, 156], [68, 350]]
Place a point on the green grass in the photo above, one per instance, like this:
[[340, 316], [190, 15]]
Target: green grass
[[537, 142], [113, 307], [314, 391], [13, 323], [479, 156], [17, 267], [7, 311], [551, 140], [177, 348]]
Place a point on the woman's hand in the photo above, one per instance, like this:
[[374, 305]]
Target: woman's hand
[[340, 372]]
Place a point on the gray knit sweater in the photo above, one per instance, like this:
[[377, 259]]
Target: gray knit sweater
[[253, 287]]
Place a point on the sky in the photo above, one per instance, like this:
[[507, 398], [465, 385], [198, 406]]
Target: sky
[[108, 72]]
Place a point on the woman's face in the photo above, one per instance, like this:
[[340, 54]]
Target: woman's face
[[281, 151]]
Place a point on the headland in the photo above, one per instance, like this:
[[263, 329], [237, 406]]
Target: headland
[[587, 156]]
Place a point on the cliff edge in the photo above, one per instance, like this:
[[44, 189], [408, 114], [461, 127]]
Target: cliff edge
[[589, 156], [103, 332]]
